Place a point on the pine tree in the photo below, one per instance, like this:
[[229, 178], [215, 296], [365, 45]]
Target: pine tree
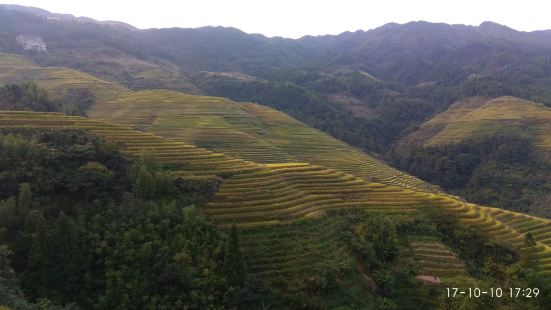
[[64, 268], [24, 200], [144, 187], [8, 220], [235, 267]]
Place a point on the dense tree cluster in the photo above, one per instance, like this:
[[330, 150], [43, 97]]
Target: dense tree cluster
[[504, 170], [28, 96], [375, 241], [80, 225]]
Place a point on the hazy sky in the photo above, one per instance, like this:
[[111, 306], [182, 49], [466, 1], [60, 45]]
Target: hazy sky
[[295, 18]]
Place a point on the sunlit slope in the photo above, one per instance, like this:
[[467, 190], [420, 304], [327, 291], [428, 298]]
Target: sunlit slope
[[15, 69], [475, 117], [209, 122], [186, 159], [310, 145], [247, 131], [243, 130], [284, 193], [268, 195]]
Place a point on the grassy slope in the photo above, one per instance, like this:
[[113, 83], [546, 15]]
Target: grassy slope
[[477, 116]]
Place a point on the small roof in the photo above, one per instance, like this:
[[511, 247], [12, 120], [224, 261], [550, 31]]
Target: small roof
[[429, 279]]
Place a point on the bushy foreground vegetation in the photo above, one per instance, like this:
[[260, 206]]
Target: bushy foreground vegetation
[[81, 227]]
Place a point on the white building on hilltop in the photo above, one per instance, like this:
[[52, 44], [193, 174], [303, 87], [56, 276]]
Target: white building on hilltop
[[30, 42]]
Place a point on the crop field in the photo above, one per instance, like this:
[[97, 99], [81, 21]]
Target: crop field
[[296, 249], [15, 69], [506, 227], [276, 172], [256, 195], [435, 259], [310, 145], [476, 117], [184, 157], [208, 122], [242, 130], [267, 196], [282, 193]]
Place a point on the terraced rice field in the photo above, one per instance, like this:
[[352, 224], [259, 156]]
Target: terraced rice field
[[309, 173], [505, 227], [310, 145], [247, 131], [435, 259], [303, 248], [208, 122], [283, 193], [244, 130], [259, 195], [16, 69], [187, 159], [476, 117]]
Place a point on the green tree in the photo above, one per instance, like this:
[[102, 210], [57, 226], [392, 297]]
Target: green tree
[[386, 304], [151, 162], [64, 266], [381, 232], [8, 219], [144, 186], [234, 267], [24, 200], [529, 239]]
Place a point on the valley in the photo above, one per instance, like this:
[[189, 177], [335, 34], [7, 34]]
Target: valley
[[214, 169]]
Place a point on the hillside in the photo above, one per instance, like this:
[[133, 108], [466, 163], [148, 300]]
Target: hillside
[[367, 88], [246, 131], [206, 169], [293, 191], [476, 117], [309, 192], [491, 151]]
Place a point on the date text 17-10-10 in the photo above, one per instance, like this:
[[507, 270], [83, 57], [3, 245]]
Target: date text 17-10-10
[[497, 292]]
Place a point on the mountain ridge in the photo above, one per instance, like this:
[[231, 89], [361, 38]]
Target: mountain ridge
[[320, 223], [441, 57], [486, 25]]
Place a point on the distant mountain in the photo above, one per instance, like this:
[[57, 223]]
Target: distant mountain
[[315, 223], [56, 16], [369, 88]]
